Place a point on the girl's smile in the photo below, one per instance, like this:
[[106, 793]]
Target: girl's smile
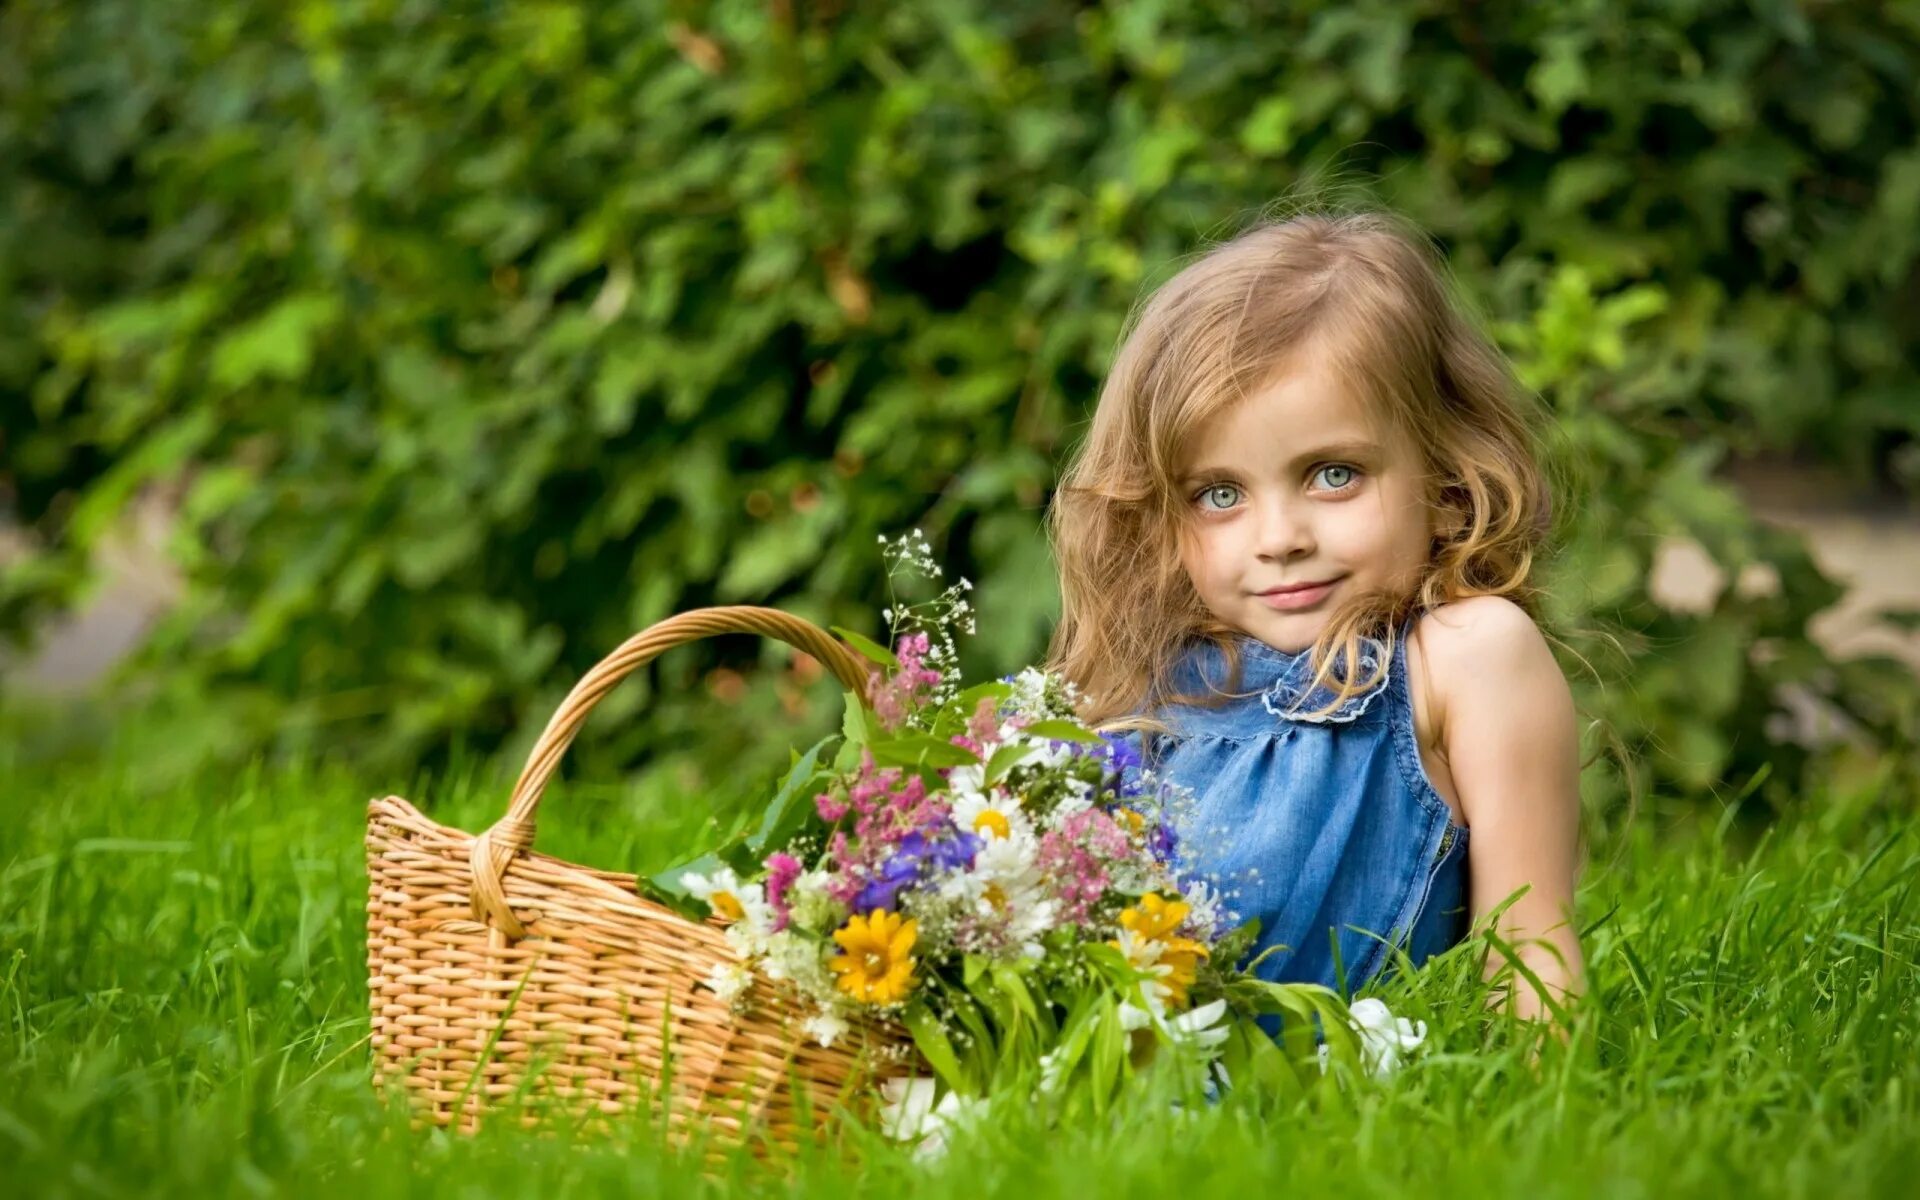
[[1298, 597]]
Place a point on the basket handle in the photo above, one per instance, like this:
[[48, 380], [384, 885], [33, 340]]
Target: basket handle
[[494, 849]]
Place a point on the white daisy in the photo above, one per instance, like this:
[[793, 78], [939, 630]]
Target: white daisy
[[1009, 861], [745, 905], [991, 816], [968, 779], [730, 899], [1143, 955], [1006, 889]]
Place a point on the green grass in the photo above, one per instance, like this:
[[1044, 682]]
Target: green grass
[[182, 1012]]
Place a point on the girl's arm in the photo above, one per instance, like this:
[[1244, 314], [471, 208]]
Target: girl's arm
[[1513, 747]]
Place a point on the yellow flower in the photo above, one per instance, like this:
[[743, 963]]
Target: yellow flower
[[994, 824], [1152, 926], [1155, 918], [875, 963], [1181, 957], [726, 906], [1135, 822]]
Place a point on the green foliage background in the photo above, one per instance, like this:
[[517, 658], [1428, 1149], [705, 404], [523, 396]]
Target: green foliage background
[[477, 337]]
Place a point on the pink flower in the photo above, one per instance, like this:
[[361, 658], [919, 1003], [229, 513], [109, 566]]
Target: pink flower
[[1076, 858], [984, 725], [911, 651], [893, 697], [888, 805], [831, 805], [782, 870], [883, 696]]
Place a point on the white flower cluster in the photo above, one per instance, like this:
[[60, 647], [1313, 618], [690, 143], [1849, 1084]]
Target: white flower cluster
[[779, 958], [1384, 1038], [1044, 693], [911, 554], [1004, 892]]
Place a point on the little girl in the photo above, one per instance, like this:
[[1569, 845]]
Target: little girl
[[1295, 551]]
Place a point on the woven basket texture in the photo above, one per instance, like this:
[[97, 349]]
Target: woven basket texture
[[504, 978]]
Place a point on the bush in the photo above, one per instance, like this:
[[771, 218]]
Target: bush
[[473, 344]]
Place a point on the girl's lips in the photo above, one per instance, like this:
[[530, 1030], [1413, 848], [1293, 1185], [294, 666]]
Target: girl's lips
[[1303, 598]]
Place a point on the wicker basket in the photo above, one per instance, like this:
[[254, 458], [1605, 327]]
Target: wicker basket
[[502, 976]]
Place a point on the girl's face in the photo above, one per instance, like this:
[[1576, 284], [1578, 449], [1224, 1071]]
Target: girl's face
[[1292, 486]]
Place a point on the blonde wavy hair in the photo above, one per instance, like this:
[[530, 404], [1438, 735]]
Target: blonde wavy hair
[[1368, 293]]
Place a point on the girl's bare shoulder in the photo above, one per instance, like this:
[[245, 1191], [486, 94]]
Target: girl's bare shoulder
[[1457, 631], [1477, 639]]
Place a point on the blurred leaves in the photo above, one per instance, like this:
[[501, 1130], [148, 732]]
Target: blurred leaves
[[475, 341]]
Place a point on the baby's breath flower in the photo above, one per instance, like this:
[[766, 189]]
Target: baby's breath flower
[[731, 983], [824, 1027]]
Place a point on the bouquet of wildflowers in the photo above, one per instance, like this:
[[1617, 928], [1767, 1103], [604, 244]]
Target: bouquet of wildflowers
[[1005, 884]]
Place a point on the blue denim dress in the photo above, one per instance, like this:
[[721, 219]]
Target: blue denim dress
[[1328, 830]]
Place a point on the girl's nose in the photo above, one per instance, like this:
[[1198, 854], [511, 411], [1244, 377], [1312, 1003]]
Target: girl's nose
[[1286, 531]]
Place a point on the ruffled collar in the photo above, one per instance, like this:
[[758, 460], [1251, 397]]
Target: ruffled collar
[[1281, 682]]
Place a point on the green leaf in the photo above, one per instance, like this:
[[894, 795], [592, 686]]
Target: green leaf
[[867, 647], [970, 699], [856, 724], [921, 750], [971, 968], [1262, 1066], [1235, 945], [741, 857], [1109, 1053], [1007, 978], [1061, 731], [933, 1043], [984, 1049], [676, 898], [1269, 129], [790, 807], [278, 344], [1003, 760], [999, 1007], [1078, 1034], [770, 556]]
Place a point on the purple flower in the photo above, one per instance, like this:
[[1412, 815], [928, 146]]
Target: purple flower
[[883, 890], [1163, 841], [944, 850], [1122, 755], [917, 853]]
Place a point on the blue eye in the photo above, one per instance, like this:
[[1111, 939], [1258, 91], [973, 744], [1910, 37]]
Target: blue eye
[[1214, 492], [1347, 474]]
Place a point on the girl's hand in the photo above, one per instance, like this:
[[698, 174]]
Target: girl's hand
[[1513, 746]]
